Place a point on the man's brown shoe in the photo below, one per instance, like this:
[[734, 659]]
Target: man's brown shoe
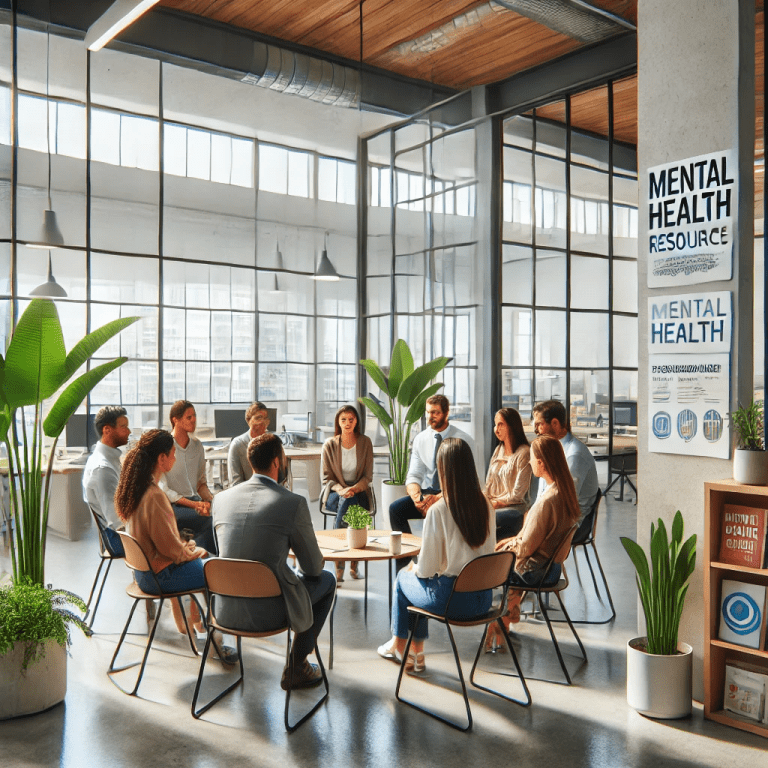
[[305, 675]]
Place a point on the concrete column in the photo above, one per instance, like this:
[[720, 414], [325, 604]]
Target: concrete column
[[696, 94]]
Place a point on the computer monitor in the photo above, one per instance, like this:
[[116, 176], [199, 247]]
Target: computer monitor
[[80, 432], [625, 413], [230, 422]]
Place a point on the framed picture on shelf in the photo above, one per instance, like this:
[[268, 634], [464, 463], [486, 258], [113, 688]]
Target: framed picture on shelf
[[742, 614], [742, 536]]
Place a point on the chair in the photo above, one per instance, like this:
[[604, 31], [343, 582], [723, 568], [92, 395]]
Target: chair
[[585, 535], [332, 513], [105, 555], [136, 559], [622, 465], [484, 572], [557, 588], [227, 577]]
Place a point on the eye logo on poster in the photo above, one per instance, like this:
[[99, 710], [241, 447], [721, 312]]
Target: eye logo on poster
[[712, 424], [662, 425], [686, 424]]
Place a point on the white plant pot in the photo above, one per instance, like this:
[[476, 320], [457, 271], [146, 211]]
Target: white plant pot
[[750, 467], [389, 492], [357, 538], [41, 686], [659, 686]]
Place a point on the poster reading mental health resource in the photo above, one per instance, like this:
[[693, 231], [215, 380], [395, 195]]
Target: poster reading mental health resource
[[688, 405], [691, 210]]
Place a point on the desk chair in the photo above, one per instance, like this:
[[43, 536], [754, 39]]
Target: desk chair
[[557, 588], [484, 572], [622, 465], [227, 577], [326, 513], [136, 560], [105, 555], [585, 535]]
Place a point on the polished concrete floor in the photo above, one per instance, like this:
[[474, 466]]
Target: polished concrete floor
[[587, 724]]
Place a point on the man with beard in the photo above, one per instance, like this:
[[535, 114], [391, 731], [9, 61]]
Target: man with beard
[[260, 520], [422, 483], [238, 466]]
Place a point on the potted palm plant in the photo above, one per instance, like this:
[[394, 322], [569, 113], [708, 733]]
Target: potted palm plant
[[750, 464], [406, 389], [659, 668], [35, 367], [358, 520]]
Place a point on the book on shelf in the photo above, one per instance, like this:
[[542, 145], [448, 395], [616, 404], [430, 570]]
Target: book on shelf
[[742, 613], [742, 536], [745, 690]]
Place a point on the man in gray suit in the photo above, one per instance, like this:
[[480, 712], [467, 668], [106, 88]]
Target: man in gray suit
[[261, 520]]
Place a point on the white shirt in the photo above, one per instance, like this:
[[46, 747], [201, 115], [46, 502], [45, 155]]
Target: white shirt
[[100, 478], [349, 464], [422, 466], [444, 550], [187, 473]]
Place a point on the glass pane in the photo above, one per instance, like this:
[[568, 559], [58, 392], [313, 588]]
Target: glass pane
[[625, 341], [551, 335], [550, 202], [138, 142], [624, 286], [175, 149], [589, 283], [550, 385], [624, 385], [124, 279], [298, 174], [221, 158], [517, 391], [198, 154], [589, 340], [198, 382], [551, 278], [326, 179], [516, 337], [517, 274], [198, 336], [589, 397], [273, 169], [589, 210]]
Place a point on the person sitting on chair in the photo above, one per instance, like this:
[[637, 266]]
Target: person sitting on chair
[[546, 522], [509, 473], [457, 528], [185, 484], [347, 471], [261, 520], [102, 472], [238, 466], [422, 482]]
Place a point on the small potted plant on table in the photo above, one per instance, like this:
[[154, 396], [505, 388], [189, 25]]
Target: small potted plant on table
[[659, 670], [358, 520], [750, 464]]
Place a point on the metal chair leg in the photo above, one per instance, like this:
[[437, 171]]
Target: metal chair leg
[[92, 616], [513, 655], [208, 642], [289, 659], [554, 641]]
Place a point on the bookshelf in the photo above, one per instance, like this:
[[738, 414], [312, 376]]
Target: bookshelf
[[716, 651]]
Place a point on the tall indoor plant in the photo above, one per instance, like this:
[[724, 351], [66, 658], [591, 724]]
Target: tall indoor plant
[[750, 462], [407, 389], [658, 666], [35, 367]]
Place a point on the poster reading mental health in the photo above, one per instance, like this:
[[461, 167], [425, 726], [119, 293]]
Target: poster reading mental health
[[688, 405], [691, 210]]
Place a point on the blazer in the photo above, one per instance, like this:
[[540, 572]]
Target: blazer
[[260, 520], [333, 479]]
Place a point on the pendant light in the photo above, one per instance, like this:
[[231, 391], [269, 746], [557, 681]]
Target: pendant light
[[325, 270]]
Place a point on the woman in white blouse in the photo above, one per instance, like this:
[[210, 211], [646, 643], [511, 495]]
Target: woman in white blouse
[[347, 469], [458, 528], [509, 473]]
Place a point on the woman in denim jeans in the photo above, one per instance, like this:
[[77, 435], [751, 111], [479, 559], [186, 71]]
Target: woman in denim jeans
[[458, 527]]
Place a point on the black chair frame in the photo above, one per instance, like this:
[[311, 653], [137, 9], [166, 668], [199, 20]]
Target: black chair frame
[[617, 465], [104, 556], [213, 626], [492, 615], [133, 590], [557, 589]]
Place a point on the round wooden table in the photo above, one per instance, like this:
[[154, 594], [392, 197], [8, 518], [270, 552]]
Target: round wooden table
[[333, 547]]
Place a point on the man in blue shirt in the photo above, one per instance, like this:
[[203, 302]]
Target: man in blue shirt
[[422, 482], [549, 419]]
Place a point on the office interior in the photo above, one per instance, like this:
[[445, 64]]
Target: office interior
[[488, 214]]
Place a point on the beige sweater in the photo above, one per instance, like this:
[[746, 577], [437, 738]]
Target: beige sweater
[[331, 465], [509, 477], [545, 524], [153, 525]]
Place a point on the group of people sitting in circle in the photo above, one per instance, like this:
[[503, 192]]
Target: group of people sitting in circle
[[160, 495]]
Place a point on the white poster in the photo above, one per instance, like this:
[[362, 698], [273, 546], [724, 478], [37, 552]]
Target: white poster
[[697, 323], [691, 210], [688, 405]]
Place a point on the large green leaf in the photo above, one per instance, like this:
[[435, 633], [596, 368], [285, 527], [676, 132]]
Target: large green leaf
[[677, 527], [87, 346], [376, 374], [400, 366], [414, 384], [35, 361], [377, 411], [416, 411], [639, 560], [69, 400]]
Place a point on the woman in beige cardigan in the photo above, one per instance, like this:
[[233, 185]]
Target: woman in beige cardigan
[[347, 470]]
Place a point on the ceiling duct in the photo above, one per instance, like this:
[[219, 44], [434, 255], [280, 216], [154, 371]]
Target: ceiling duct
[[316, 79]]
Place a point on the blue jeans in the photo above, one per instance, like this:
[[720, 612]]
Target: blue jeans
[[532, 578], [112, 542], [432, 594], [174, 578], [336, 502], [200, 525], [509, 522]]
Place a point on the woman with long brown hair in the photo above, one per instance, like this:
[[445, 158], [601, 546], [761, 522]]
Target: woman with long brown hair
[[546, 523], [347, 471], [509, 473], [458, 528]]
